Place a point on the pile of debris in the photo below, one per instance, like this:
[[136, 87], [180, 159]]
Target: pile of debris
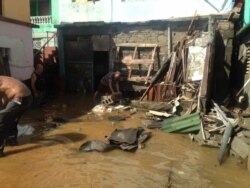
[[125, 139], [179, 100], [111, 103]]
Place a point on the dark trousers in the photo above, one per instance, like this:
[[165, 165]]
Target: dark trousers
[[10, 116]]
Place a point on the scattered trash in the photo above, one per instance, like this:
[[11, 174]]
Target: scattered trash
[[24, 130], [151, 105], [107, 100], [132, 111], [94, 116], [164, 114], [95, 145], [128, 139], [125, 139], [100, 108], [116, 118]]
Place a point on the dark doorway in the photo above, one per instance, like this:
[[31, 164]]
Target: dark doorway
[[101, 66], [4, 61]]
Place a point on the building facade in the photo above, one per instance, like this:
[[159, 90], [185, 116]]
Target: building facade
[[45, 14], [16, 49], [98, 26], [75, 40]]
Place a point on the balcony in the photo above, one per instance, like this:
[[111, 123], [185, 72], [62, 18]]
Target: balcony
[[41, 20]]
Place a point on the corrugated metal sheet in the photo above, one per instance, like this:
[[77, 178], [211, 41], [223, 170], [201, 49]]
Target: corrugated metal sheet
[[182, 124]]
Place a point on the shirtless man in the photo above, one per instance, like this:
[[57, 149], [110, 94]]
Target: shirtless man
[[15, 99]]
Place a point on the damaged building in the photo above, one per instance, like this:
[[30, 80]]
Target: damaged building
[[194, 64], [99, 47], [192, 60], [178, 112]]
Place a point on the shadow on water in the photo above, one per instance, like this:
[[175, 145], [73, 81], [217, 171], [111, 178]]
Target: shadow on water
[[68, 106], [46, 141]]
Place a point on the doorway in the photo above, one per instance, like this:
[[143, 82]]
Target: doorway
[[4, 61], [101, 66]]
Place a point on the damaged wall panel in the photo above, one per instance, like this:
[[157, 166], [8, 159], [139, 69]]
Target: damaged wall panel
[[223, 59]]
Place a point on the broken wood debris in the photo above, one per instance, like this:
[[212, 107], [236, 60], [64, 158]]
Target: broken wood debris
[[188, 74]]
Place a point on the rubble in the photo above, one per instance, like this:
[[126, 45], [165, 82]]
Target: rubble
[[182, 96], [187, 75], [240, 147], [125, 139], [25, 130], [95, 145]]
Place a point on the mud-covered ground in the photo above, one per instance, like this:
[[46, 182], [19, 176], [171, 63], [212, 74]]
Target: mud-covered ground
[[50, 157]]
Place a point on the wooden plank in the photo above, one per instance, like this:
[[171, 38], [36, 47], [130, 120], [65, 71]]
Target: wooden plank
[[151, 65], [138, 61], [137, 45], [137, 78], [149, 71], [117, 51], [153, 53], [172, 68], [134, 54], [157, 76], [204, 82]]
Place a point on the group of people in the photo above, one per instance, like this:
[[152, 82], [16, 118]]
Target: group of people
[[16, 97]]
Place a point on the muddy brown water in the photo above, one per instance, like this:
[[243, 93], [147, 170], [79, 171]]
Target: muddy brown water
[[51, 159]]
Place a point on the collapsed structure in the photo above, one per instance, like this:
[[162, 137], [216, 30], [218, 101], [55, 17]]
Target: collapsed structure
[[188, 67]]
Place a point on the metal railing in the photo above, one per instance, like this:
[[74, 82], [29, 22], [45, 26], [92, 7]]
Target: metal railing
[[39, 20]]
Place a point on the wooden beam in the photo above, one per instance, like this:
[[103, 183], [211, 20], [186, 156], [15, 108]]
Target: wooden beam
[[138, 61], [137, 45]]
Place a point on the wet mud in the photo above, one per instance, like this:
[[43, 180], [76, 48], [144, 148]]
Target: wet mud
[[52, 158]]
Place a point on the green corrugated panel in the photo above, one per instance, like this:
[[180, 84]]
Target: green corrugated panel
[[246, 12], [182, 124]]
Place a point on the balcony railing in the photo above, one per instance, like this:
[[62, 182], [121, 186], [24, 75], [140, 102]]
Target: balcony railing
[[40, 20]]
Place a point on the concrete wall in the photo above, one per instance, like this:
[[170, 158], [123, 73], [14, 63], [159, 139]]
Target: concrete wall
[[17, 9], [18, 39], [137, 10], [153, 32]]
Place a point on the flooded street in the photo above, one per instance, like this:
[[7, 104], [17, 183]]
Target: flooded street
[[52, 158]]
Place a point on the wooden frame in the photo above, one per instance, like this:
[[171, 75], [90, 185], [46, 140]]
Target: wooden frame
[[136, 60]]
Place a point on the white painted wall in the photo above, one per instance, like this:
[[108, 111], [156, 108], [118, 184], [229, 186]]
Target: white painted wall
[[137, 10], [18, 39]]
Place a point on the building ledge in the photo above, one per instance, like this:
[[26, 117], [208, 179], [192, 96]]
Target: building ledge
[[18, 22]]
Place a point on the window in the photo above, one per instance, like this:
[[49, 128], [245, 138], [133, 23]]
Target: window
[[40, 8]]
